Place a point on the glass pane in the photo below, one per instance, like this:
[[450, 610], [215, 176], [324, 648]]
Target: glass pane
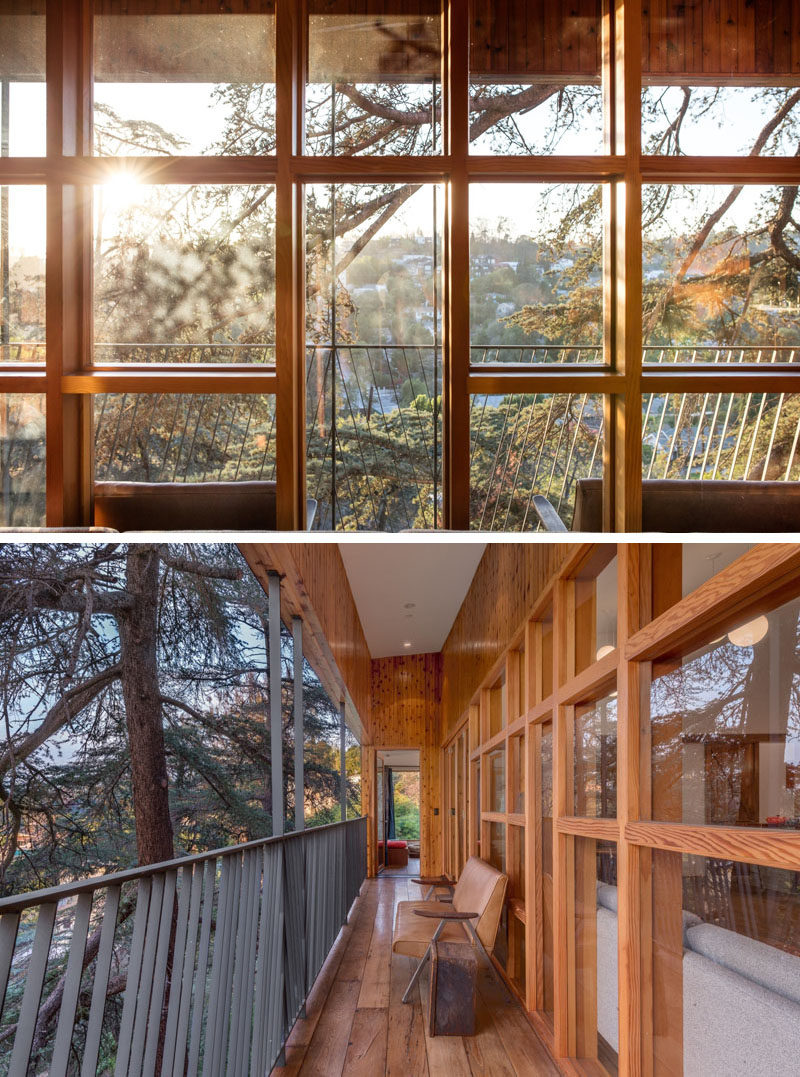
[[719, 83], [719, 267], [546, 897], [186, 83], [373, 401], [497, 716], [596, 607], [23, 107], [702, 560], [536, 269], [516, 863], [535, 78], [22, 460], [721, 436], [23, 218], [516, 746], [726, 728], [725, 964], [496, 763], [184, 275], [516, 957], [497, 846], [547, 654], [374, 79], [476, 806], [163, 437], [596, 977], [533, 443], [595, 774]]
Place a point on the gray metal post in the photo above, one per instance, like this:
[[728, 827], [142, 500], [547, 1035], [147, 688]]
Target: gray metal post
[[276, 741], [342, 768], [299, 778]]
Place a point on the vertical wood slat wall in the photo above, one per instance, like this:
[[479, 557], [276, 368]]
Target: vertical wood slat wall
[[69, 171], [652, 621]]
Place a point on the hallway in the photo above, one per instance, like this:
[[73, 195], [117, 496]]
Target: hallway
[[356, 1001]]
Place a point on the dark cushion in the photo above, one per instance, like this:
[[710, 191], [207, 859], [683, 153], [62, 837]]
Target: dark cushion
[[187, 506], [680, 505]]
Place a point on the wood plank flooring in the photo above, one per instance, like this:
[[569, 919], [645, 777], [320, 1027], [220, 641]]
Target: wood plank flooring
[[356, 1024]]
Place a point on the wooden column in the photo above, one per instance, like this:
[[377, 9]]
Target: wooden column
[[563, 844], [69, 262], [625, 325], [633, 610], [290, 24], [456, 353]]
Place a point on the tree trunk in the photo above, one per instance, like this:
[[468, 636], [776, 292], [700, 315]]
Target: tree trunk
[[142, 696]]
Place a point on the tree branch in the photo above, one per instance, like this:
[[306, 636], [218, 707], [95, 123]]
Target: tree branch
[[63, 711]]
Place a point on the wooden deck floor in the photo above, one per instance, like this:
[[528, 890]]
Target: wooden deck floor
[[357, 1025]]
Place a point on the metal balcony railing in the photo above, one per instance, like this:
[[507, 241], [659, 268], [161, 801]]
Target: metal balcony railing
[[374, 433], [199, 966]]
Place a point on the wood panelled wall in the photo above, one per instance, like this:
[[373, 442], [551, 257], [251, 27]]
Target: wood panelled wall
[[509, 579], [406, 713], [719, 37], [315, 582]]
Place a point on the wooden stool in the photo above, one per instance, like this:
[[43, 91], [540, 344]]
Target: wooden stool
[[451, 1007]]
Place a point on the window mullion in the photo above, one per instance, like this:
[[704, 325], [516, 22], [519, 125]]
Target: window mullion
[[456, 351], [69, 262]]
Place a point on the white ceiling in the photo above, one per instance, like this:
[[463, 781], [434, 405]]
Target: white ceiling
[[409, 592], [400, 759]]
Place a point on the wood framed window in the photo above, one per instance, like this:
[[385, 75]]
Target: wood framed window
[[658, 823], [459, 260]]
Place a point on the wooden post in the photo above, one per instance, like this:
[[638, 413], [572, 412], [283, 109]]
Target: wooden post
[[290, 26], [625, 326], [633, 609], [69, 263], [456, 351]]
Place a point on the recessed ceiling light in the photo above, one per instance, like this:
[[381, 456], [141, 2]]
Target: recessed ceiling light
[[407, 643]]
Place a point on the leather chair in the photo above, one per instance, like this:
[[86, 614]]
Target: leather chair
[[473, 917], [189, 506]]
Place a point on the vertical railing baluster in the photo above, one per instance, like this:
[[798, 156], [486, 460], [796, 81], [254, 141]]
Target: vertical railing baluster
[[186, 975], [102, 971], [34, 981], [135, 961], [220, 938], [239, 971], [72, 985], [201, 975], [9, 923], [246, 1010], [177, 985], [160, 973], [146, 978], [230, 948]]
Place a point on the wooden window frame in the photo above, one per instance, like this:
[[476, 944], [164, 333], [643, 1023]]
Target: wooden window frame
[[654, 622], [69, 170]]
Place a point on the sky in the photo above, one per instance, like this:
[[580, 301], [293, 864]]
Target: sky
[[188, 109]]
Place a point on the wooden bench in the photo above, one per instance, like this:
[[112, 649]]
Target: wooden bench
[[472, 918], [681, 505], [189, 506]]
